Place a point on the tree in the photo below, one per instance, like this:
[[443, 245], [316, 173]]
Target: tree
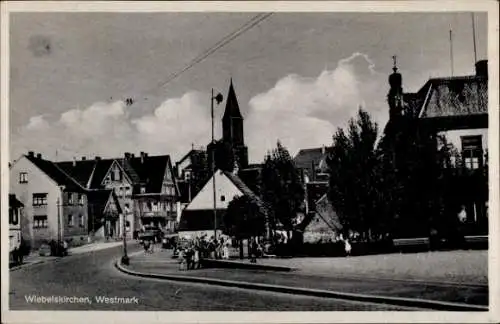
[[243, 220], [354, 175], [282, 189]]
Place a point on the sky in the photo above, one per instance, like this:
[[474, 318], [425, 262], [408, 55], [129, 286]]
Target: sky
[[297, 76]]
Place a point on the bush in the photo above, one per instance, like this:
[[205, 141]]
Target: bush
[[334, 249]]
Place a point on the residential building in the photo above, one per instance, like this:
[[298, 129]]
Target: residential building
[[324, 225], [107, 174], [55, 205], [144, 188]]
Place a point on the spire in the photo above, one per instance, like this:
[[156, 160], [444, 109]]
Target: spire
[[232, 106]]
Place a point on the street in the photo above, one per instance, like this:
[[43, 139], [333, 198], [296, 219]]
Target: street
[[93, 275]]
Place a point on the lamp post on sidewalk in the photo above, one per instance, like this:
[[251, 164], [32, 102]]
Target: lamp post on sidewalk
[[125, 259], [219, 99]]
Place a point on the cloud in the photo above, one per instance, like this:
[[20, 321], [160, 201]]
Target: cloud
[[305, 112], [301, 112], [107, 129]]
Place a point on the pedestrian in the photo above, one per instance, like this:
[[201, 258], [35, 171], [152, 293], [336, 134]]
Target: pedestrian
[[196, 258], [65, 247], [347, 247], [182, 260], [146, 246], [253, 251], [225, 251]]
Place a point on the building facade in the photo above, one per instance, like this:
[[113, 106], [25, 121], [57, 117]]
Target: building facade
[[55, 206]]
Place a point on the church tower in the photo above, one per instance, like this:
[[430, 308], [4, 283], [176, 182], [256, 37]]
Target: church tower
[[232, 128]]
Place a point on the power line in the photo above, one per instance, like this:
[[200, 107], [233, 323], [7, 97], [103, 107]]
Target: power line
[[218, 45]]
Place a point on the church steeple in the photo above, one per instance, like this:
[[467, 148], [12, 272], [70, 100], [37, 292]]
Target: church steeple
[[232, 121], [232, 128]]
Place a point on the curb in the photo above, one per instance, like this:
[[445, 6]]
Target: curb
[[24, 265], [396, 301], [211, 263]]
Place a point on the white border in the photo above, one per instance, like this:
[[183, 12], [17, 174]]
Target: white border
[[269, 317]]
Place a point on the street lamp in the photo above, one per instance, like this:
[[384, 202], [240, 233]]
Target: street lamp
[[125, 259], [219, 99]]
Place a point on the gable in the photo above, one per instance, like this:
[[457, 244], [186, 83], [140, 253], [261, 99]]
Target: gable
[[113, 170], [226, 190]]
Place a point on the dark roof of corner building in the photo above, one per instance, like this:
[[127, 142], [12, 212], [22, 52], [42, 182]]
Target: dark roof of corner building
[[450, 97], [232, 107], [150, 171], [81, 170], [14, 202], [56, 174]]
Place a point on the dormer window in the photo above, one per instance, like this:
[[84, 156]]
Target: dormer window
[[143, 190]]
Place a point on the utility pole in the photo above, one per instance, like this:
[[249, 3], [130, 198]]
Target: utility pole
[[219, 99], [58, 223], [125, 259]]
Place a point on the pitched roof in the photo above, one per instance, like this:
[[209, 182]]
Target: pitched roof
[[56, 174], [14, 202], [98, 200], [232, 106], [100, 171], [246, 190], [306, 157], [450, 97], [81, 170], [150, 171]]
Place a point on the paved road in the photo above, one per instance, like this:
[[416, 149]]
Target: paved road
[[92, 275]]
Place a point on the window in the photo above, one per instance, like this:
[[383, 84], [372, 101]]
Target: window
[[81, 199], [143, 190], [154, 207], [70, 220], [80, 221], [23, 177], [222, 198], [13, 216], [70, 198], [40, 221], [39, 199], [472, 151]]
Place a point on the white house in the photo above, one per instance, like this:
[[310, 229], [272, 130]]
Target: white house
[[55, 205], [197, 218]]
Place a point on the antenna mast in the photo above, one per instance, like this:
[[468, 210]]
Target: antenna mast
[[474, 37], [451, 51]]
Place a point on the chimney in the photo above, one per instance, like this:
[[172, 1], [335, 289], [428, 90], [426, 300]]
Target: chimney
[[143, 156], [39, 156], [132, 155], [482, 68], [74, 161], [31, 154], [127, 155], [98, 158], [84, 158]]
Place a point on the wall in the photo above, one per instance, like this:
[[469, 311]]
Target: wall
[[76, 234], [453, 136], [38, 182], [224, 187]]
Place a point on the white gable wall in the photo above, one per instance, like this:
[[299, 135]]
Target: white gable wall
[[224, 187], [38, 182]]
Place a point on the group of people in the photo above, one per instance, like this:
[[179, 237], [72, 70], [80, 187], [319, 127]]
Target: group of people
[[191, 251]]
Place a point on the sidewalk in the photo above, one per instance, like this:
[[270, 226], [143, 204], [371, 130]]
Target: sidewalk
[[35, 258], [161, 263]]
